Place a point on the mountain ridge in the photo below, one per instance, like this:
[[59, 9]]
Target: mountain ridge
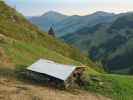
[[50, 19], [75, 20], [107, 42], [53, 13]]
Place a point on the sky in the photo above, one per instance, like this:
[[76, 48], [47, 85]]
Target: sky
[[70, 7]]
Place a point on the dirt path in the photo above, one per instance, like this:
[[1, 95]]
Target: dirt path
[[10, 89]]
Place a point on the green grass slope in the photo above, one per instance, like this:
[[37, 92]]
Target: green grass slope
[[117, 87], [22, 43]]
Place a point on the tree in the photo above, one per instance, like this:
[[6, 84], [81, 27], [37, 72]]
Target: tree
[[51, 32]]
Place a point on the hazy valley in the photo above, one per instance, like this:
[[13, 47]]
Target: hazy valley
[[105, 37]]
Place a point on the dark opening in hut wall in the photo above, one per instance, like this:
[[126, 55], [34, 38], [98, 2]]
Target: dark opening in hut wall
[[45, 79], [55, 82]]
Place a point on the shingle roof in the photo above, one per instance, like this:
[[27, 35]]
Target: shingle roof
[[53, 69]]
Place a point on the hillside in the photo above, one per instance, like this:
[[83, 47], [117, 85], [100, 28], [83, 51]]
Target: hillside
[[117, 87], [22, 43], [109, 42], [17, 90]]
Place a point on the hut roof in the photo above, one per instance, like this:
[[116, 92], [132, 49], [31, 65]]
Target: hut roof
[[53, 69]]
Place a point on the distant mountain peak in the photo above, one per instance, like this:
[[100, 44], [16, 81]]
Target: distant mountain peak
[[102, 13], [48, 19], [52, 13]]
